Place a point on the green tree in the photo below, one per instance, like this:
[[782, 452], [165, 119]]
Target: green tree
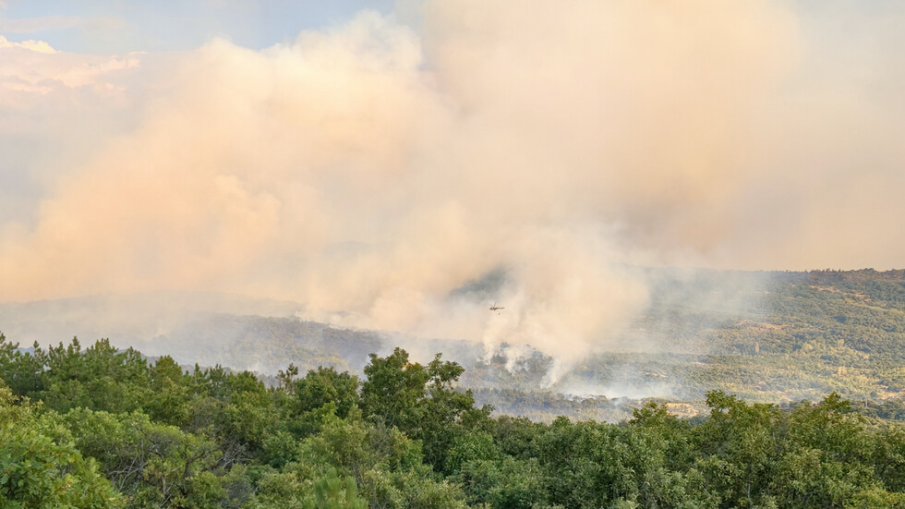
[[155, 465], [741, 444], [421, 401], [170, 395], [40, 468], [394, 389], [325, 385], [100, 377]]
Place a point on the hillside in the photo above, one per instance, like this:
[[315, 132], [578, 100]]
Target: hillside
[[772, 337]]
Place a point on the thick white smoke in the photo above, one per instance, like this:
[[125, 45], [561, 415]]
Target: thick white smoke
[[374, 170]]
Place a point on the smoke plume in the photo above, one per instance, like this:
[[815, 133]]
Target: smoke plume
[[405, 172]]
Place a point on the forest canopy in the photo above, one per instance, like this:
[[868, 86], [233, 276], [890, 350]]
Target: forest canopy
[[99, 427]]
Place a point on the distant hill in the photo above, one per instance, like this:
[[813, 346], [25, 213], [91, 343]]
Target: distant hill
[[766, 336]]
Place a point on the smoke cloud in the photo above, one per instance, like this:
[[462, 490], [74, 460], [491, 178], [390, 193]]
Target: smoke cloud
[[405, 172]]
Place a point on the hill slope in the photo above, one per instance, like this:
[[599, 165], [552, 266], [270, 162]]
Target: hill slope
[[779, 337]]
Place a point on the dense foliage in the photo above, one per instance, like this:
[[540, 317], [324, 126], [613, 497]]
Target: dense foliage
[[104, 428]]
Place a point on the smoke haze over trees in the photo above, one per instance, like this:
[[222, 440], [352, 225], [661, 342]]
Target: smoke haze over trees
[[278, 212], [371, 169]]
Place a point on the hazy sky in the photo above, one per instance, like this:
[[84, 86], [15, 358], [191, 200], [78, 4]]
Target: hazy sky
[[371, 159], [116, 26]]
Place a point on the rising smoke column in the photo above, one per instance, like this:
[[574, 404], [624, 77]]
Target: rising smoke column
[[372, 170]]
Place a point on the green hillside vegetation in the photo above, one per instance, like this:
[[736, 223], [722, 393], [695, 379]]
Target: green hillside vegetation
[[99, 427], [814, 333], [771, 337], [767, 337]]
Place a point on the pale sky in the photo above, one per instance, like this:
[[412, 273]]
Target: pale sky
[[118, 26]]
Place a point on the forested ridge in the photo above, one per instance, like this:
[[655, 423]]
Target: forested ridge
[[771, 337], [99, 427]]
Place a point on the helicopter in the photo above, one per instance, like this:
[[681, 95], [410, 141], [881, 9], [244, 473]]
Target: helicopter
[[494, 307]]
